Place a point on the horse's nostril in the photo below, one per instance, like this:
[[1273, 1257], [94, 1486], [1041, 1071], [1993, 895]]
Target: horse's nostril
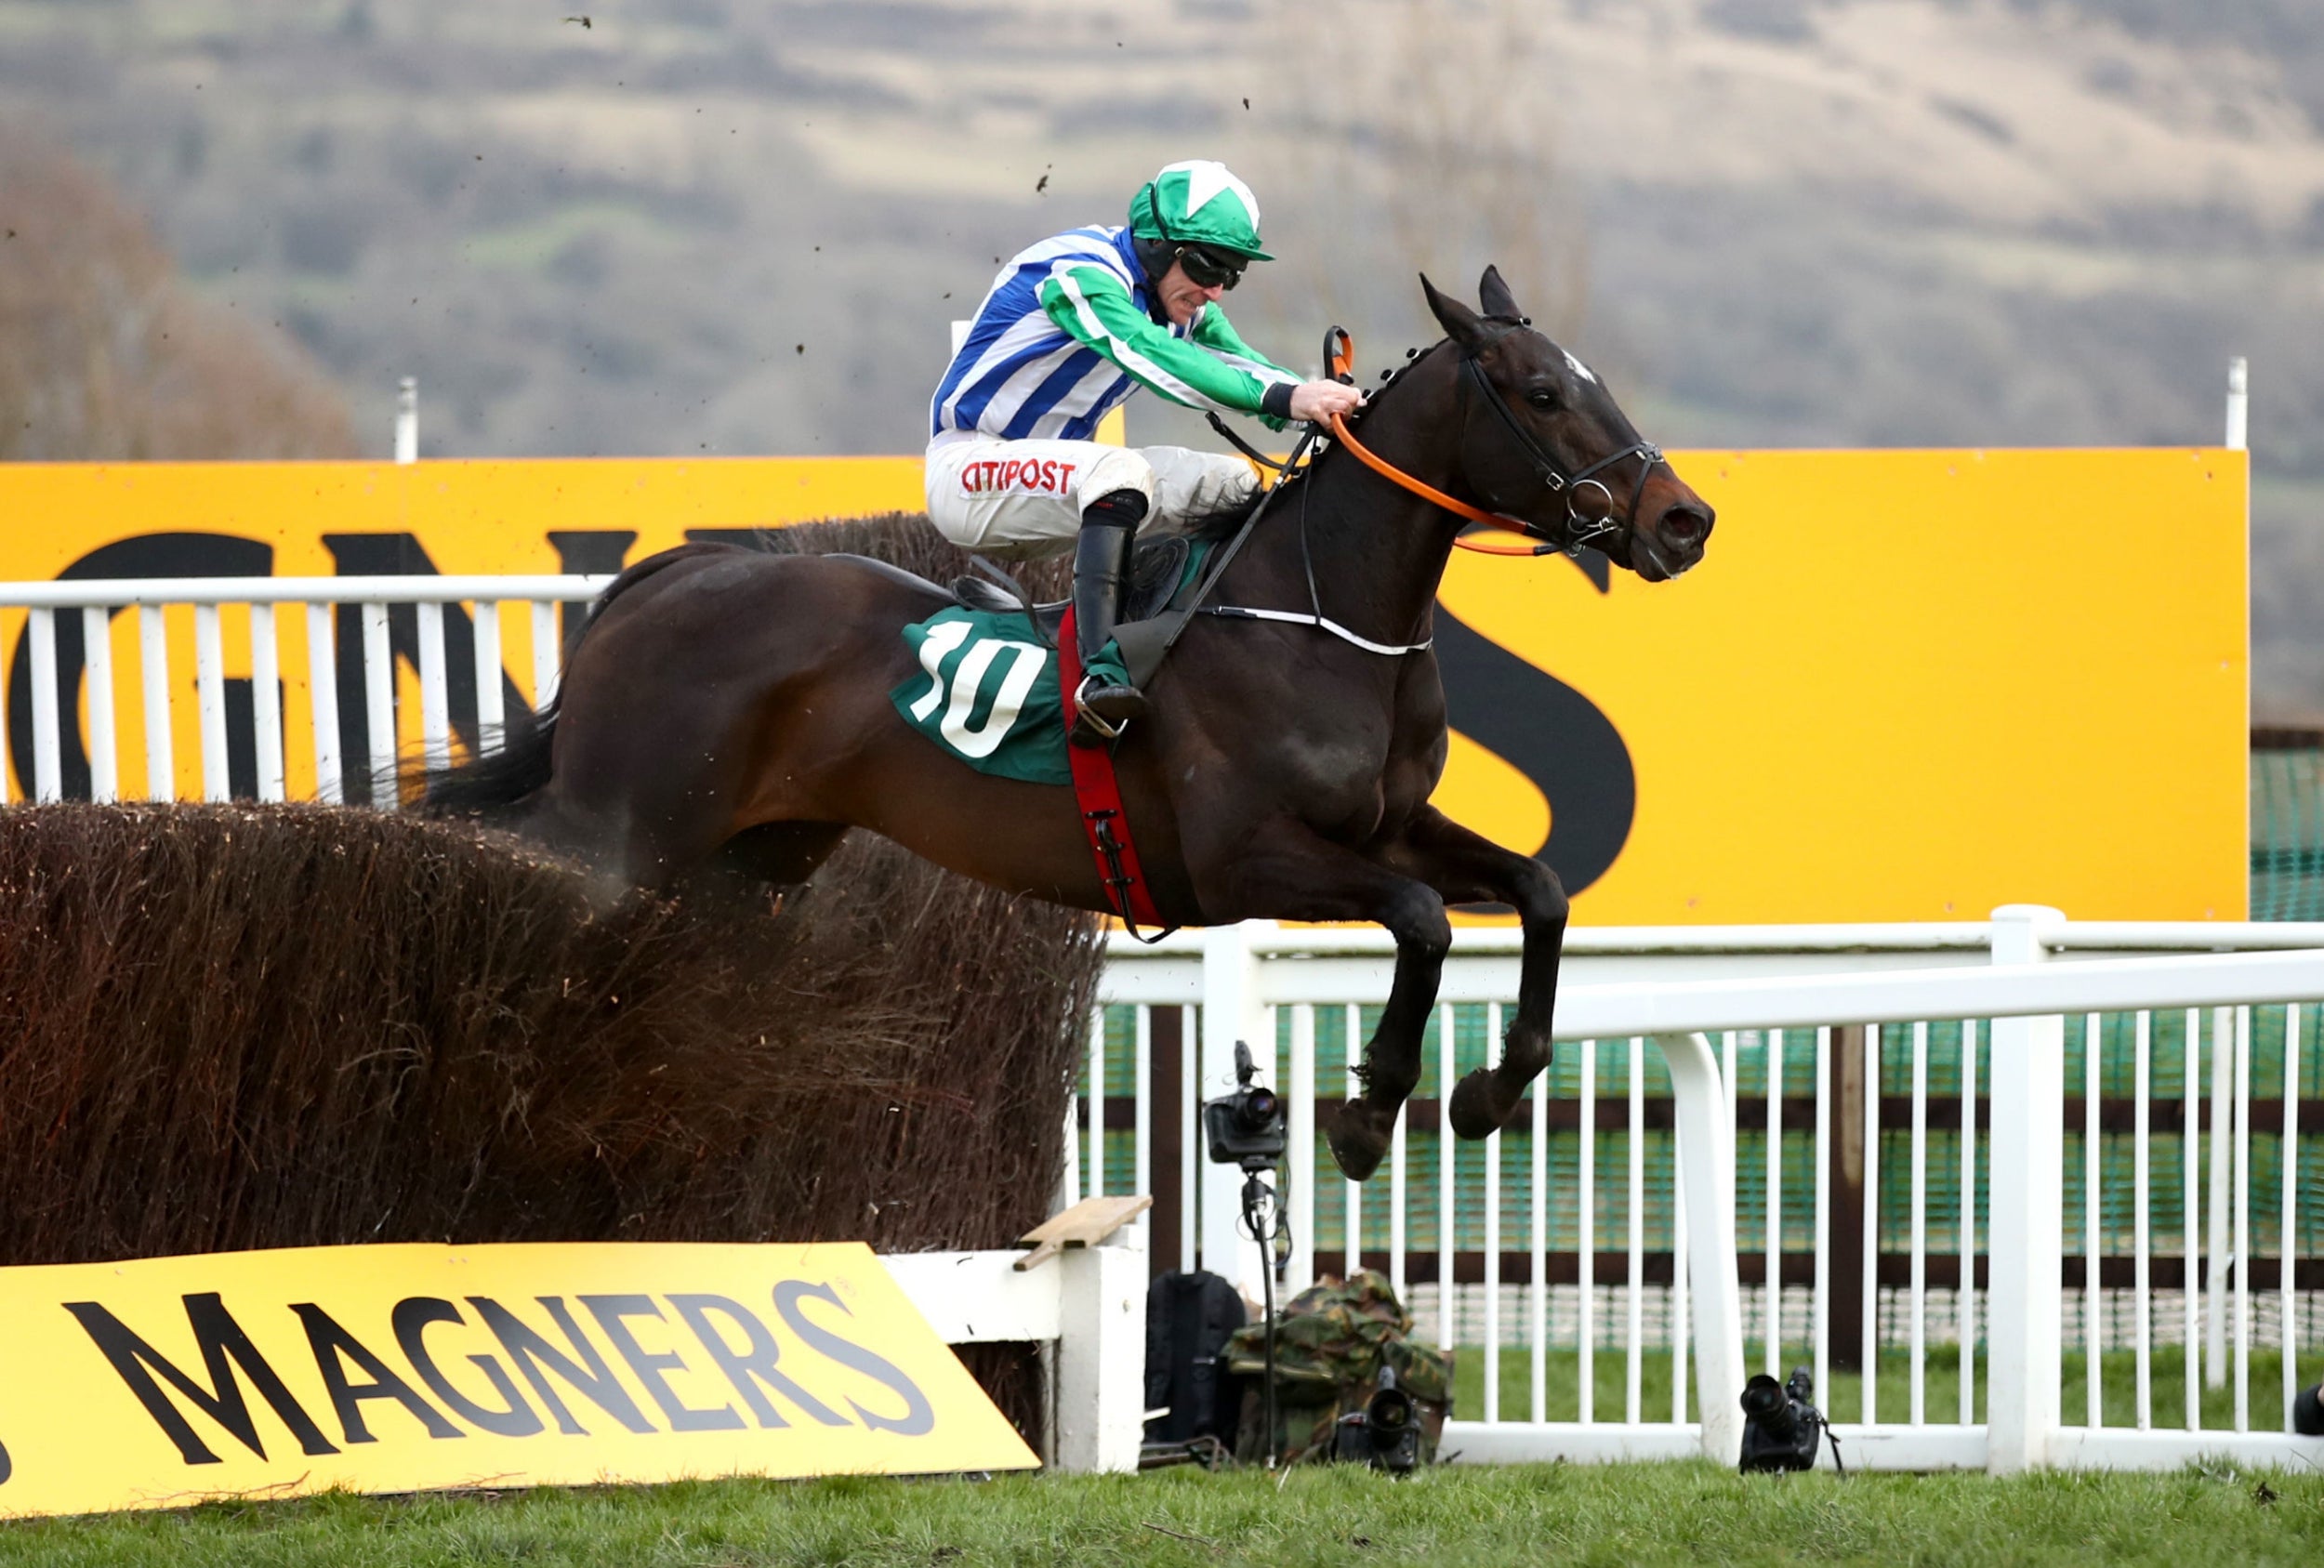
[[1686, 525]]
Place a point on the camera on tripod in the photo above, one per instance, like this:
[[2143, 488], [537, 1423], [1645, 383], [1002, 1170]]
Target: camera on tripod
[[1781, 1425], [1385, 1434], [1248, 1128]]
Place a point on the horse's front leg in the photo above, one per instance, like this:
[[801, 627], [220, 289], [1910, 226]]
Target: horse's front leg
[[1286, 871], [1465, 867]]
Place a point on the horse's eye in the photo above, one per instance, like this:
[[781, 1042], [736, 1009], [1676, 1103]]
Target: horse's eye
[[1542, 400]]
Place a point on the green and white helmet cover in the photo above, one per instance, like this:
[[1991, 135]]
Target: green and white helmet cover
[[1198, 202]]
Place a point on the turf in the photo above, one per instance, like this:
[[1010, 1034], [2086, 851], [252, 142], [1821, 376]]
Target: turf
[[1685, 1513]]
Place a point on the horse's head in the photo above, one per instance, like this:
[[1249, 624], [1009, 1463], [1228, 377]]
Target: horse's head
[[1544, 441]]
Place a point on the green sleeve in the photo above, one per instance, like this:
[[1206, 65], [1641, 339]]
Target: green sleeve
[[1090, 305], [1213, 331]]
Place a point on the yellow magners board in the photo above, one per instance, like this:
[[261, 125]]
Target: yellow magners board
[[1902, 686], [162, 1382]]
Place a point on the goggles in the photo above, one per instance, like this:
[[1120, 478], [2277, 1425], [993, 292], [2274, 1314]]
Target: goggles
[[1207, 268]]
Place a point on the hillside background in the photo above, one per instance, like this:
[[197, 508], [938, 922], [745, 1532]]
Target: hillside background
[[741, 226]]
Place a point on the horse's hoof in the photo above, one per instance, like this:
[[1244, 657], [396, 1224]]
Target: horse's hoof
[[1359, 1137], [1472, 1112]]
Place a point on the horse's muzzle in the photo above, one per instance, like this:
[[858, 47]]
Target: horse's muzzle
[[1672, 543]]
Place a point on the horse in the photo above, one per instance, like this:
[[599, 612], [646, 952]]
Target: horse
[[727, 711]]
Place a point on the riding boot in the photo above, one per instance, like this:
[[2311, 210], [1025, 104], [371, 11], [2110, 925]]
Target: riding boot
[[1109, 525]]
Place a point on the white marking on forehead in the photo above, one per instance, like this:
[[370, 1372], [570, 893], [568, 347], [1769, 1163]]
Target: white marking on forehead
[[1577, 366]]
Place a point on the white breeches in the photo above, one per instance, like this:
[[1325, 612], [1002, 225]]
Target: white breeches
[[1024, 498]]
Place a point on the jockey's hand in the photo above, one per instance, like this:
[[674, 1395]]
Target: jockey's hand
[[1318, 401]]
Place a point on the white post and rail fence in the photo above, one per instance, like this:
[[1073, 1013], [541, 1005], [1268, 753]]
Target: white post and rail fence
[[1850, 1147]]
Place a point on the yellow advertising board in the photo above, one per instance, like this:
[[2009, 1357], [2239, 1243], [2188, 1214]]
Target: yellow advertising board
[[1905, 686], [162, 1382], [1902, 686]]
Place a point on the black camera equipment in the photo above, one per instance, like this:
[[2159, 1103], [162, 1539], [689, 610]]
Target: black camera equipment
[[1385, 1434], [2307, 1411], [1249, 1129], [1782, 1427], [1248, 1125]]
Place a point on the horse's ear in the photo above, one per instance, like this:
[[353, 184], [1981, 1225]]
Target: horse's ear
[[1494, 299], [1459, 321]]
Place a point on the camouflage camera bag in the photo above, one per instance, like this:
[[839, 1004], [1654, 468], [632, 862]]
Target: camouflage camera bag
[[1331, 1340]]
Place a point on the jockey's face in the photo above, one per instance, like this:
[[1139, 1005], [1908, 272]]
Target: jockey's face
[[1182, 296]]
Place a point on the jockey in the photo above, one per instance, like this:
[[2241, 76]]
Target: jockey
[[1070, 328]]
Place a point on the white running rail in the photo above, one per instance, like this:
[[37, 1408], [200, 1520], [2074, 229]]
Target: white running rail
[[1776, 995], [281, 644]]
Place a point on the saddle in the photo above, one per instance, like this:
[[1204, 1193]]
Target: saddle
[[1157, 575]]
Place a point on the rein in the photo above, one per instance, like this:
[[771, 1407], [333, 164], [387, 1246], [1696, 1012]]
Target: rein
[[1429, 493], [1582, 529]]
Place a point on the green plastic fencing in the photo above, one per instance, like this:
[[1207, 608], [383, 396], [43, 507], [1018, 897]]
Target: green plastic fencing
[[2167, 1079], [2288, 825]]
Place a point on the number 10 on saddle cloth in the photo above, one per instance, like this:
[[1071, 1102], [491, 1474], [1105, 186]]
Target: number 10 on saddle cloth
[[988, 691]]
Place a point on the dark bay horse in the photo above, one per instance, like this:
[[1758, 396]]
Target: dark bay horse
[[728, 708]]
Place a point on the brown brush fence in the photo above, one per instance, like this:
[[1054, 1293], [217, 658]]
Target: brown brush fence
[[230, 1027]]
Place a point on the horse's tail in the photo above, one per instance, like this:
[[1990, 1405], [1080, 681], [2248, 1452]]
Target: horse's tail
[[494, 788]]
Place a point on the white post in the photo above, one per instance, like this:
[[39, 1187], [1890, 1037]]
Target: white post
[[322, 697], [2028, 1142], [1303, 1150], [1231, 1010], [210, 676], [1707, 1131], [47, 734], [379, 706], [160, 764], [407, 420], [1102, 1353], [104, 767], [2239, 404], [2218, 1247]]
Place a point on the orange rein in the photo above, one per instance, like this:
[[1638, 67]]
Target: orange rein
[[1339, 362], [1430, 494]]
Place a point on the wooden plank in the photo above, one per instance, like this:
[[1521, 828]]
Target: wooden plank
[[1086, 1224]]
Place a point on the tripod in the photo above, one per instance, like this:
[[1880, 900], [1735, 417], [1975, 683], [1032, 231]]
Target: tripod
[[1263, 1222]]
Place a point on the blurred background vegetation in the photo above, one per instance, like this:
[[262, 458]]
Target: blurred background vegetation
[[670, 227]]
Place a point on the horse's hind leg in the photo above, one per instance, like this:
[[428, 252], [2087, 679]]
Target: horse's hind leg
[[1468, 868], [1286, 871]]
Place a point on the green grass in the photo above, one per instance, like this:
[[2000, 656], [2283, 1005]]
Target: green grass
[[1679, 1513], [1844, 1401]]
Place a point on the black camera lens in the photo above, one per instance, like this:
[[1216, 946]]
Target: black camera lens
[[2307, 1412], [1768, 1405], [1258, 1109], [1762, 1396], [1390, 1411]]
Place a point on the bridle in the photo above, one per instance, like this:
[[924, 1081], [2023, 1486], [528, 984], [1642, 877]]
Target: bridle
[[1577, 529]]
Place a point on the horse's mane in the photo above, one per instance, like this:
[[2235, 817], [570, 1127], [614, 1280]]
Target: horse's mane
[[1223, 522]]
